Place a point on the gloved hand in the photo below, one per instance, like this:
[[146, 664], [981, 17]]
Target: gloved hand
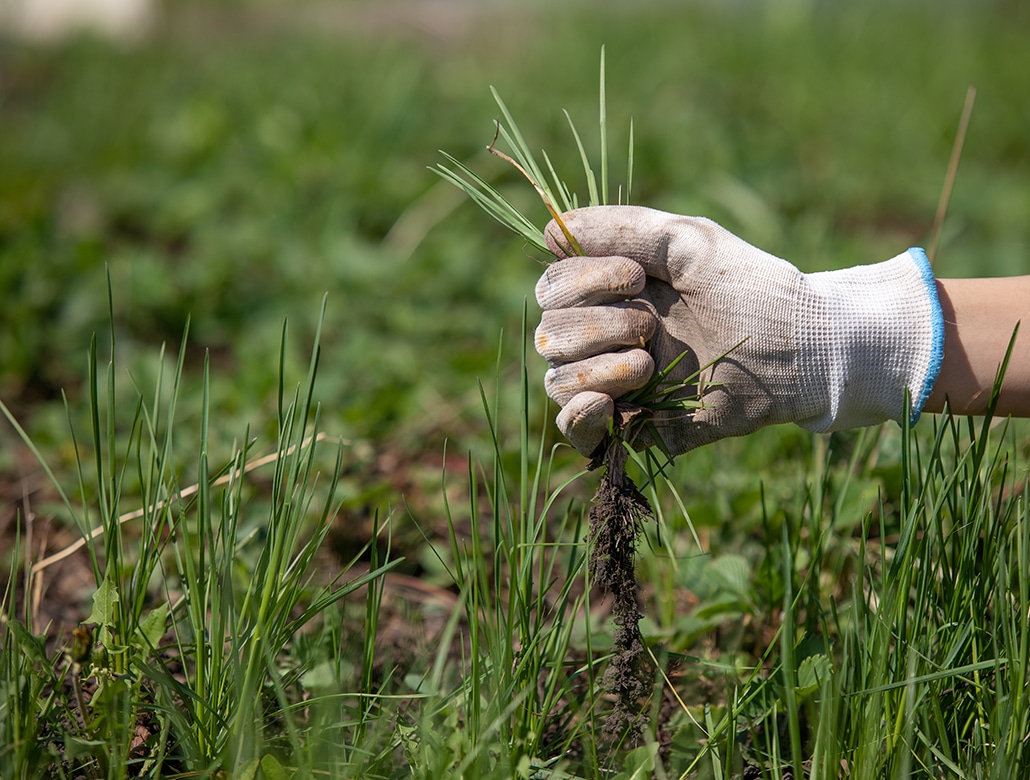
[[827, 351]]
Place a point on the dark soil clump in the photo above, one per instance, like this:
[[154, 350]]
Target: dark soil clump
[[617, 514]]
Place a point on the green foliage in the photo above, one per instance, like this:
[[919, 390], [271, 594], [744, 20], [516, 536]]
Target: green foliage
[[857, 598], [555, 193], [198, 659], [898, 643]]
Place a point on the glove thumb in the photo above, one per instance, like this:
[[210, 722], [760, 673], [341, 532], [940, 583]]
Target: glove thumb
[[658, 241]]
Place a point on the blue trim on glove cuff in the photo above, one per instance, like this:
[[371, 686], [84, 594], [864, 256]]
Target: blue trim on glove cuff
[[937, 347]]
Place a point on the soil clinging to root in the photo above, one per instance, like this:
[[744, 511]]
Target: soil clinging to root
[[617, 514]]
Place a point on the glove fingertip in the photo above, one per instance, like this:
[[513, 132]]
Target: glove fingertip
[[585, 420]]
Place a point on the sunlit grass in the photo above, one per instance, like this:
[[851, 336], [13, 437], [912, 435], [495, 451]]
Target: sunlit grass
[[876, 579], [914, 665]]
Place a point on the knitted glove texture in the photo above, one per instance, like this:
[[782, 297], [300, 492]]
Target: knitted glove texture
[[827, 351]]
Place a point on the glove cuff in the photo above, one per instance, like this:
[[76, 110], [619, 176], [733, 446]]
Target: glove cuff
[[866, 336]]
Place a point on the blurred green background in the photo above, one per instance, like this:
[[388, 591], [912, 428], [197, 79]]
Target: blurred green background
[[242, 159]]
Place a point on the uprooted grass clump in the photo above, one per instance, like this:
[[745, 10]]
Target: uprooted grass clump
[[617, 513], [618, 509]]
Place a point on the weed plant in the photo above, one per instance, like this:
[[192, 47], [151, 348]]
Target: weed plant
[[618, 510]]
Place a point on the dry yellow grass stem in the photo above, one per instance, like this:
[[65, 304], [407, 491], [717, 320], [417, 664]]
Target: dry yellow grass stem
[[50, 560]]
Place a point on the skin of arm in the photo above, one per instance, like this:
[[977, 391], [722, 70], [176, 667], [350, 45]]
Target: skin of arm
[[979, 318]]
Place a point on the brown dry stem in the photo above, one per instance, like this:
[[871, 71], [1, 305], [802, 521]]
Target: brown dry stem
[[573, 245]]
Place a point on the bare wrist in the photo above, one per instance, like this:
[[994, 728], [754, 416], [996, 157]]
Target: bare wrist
[[980, 316]]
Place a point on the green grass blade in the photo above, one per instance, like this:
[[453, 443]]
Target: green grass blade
[[629, 167], [588, 172], [568, 201], [603, 121], [514, 138], [491, 201]]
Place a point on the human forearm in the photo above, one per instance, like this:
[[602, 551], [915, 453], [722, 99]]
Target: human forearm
[[979, 318]]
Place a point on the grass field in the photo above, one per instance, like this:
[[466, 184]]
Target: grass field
[[287, 499]]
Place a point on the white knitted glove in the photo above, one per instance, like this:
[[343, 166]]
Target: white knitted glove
[[827, 350]]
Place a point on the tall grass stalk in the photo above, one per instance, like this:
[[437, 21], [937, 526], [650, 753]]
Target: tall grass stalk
[[201, 663], [555, 193], [922, 672], [522, 690]]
